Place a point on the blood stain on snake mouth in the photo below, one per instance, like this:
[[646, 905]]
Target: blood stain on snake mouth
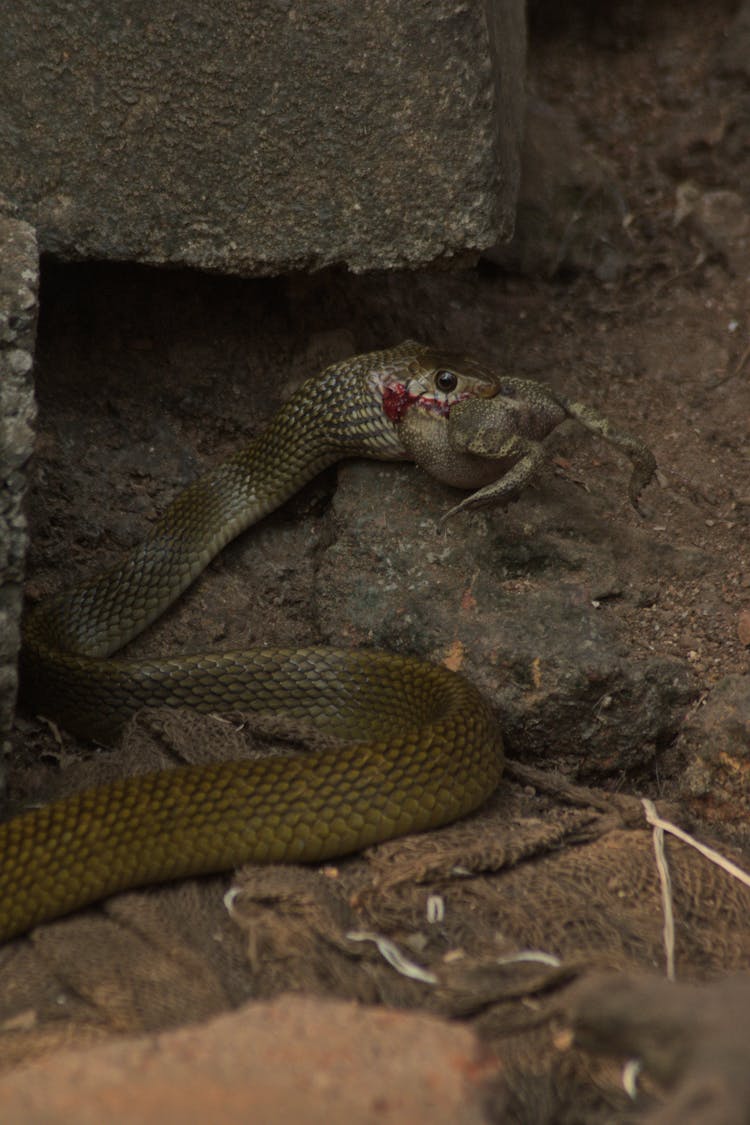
[[397, 399]]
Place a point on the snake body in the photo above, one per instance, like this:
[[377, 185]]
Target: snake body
[[417, 746]]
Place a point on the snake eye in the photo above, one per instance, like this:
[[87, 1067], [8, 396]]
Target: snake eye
[[446, 381]]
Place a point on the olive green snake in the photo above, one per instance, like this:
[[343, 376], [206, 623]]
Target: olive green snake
[[416, 744]]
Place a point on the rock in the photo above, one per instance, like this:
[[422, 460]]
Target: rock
[[262, 138], [18, 307], [693, 1039], [517, 600], [722, 219], [570, 206], [295, 1059], [734, 53], [714, 750]]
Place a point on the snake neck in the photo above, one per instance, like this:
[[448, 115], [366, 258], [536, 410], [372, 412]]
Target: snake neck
[[336, 414]]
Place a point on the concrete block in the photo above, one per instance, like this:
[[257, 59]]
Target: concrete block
[[260, 136], [18, 307]]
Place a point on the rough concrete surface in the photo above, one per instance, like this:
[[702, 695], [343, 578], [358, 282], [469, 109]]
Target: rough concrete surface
[[259, 136], [18, 305], [291, 1060]]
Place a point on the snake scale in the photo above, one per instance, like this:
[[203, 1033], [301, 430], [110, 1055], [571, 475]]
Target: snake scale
[[416, 744], [411, 745]]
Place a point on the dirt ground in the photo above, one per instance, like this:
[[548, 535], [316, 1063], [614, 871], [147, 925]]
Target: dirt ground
[[627, 287]]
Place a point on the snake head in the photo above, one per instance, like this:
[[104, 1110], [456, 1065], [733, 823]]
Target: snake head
[[431, 382]]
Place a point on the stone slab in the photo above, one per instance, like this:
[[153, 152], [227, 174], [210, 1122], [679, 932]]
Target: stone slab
[[18, 308], [260, 136]]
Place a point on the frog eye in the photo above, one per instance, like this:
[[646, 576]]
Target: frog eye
[[446, 381]]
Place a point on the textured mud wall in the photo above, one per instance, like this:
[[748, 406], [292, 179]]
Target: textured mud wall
[[259, 136], [18, 283]]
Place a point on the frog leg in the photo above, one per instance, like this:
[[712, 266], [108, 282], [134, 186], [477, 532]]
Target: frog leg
[[641, 457], [499, 493]]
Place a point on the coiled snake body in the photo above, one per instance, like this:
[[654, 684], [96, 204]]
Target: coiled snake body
[[417, 746], [420, 746]]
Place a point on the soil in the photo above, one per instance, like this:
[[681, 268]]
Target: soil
[[144, 377]]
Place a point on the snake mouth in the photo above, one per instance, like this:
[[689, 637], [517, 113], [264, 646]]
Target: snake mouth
[[439, 405], [400, 397]]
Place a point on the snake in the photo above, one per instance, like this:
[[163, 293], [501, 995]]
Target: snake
[[414, 745]]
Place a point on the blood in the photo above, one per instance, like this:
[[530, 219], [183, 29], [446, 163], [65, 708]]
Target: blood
[[397, 400]]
